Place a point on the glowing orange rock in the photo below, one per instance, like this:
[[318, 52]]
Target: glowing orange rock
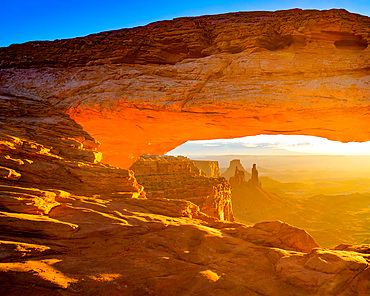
[[150, 89], [42, 147]]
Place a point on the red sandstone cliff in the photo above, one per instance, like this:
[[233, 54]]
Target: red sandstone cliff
[[42, 147], [179, 178], [209, 167]]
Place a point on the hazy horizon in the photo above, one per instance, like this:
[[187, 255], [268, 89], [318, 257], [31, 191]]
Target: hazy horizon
[[271, 145]]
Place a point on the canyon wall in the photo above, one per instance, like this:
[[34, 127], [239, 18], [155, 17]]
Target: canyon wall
[[286, 72], [179, 178], [209, 167], [42, 147]]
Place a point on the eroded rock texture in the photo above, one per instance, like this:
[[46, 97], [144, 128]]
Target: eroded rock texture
[[59, 242], [179, 178], [44, 148], [285, 72], [209, 167], [165, 247]]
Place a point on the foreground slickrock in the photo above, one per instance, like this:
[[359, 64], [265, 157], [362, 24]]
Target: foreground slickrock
[[128, 246], [150, 89], [70, 225], [179, 178]]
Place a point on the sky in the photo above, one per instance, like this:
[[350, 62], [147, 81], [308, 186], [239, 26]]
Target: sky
[[271, 145], [29, 20]]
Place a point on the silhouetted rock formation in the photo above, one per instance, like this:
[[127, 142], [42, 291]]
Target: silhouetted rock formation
[[230, 172], [238, 178], [254, 181], [250, 201], [179, 178]]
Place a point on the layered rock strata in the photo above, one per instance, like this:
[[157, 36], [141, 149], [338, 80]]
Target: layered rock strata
[[94, 246], [285, 72], [54, 242], [43, 148], [209, 167], [179, 178]]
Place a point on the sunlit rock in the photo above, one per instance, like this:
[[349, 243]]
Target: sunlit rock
[[150, 89], [42, 147], [210, 168], [179, 178]]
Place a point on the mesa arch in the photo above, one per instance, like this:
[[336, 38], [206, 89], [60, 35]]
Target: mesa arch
[[150, 89]]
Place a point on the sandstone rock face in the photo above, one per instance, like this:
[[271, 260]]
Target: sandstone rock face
[[94, 246], [179, 178], [53, 242], [276, 234], [42, 147], [210, 168], [285, 72]]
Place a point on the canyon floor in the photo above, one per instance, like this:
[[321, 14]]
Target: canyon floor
[[332, 204]]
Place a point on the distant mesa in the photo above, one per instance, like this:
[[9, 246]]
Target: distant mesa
[[230, 172], [240, 174]]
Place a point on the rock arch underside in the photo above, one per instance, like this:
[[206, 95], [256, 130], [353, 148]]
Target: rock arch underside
[[150, 89], [75, 221]]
